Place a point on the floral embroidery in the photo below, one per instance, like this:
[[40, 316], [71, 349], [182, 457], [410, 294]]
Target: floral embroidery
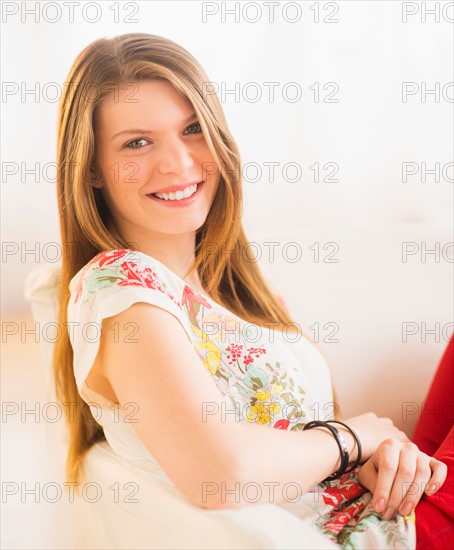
[[282, 424], [109, 271], [79, 286], [267, 389], [193, 301], [235, 353], [251, 353], [220, 325], [209, 352], [347, 489]]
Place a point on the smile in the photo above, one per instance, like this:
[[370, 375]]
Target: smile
[[190, 190], [180, 198]]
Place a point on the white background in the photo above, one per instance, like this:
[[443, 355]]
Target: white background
[[369, 53], [369, 133]]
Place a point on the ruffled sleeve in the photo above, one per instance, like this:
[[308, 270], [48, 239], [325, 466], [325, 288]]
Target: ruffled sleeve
[[109, 284]]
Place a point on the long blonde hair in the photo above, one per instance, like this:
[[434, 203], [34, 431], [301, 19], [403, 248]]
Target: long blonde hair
[[233, 280]]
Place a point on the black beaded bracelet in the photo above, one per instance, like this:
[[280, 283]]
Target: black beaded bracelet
[[341, 443], [358, 443]]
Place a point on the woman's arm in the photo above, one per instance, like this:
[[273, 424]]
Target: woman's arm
[[210, 457]]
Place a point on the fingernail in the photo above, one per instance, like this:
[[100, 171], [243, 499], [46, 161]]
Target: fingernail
[[406, 508], [389, 512], [380, 505], [431, 488]]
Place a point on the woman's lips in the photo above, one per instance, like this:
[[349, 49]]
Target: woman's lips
[[176, 188], [181, 202]]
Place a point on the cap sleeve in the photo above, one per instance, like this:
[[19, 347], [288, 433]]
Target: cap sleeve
[[109, 284]]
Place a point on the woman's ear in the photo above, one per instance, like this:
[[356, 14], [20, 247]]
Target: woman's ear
[[95, 176]]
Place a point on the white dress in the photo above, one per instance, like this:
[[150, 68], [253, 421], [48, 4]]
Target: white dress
[[275, 379]]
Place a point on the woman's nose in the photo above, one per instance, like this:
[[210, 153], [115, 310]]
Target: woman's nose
[[174, 157]]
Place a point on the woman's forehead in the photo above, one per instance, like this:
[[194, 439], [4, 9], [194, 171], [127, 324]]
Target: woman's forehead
[[152, 103]]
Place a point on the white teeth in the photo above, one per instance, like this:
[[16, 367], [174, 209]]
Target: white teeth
[[178, 195]]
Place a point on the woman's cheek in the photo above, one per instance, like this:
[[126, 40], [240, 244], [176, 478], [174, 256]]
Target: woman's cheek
[[128, 171]]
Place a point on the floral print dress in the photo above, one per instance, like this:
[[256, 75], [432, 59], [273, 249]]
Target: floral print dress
[[274, 381]]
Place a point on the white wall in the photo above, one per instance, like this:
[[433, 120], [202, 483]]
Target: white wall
[[368, 133], [368, 213]]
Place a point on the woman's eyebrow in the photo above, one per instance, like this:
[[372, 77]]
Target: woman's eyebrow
[[190, 118]]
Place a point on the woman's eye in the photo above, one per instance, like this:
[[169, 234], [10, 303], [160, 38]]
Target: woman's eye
[[141, 142], [136, 143], [196, 125]]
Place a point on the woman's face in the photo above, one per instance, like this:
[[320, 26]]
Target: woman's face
[[148, 141]]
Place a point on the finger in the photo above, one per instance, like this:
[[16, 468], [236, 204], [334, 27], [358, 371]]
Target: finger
[[367, 475], [405, 478], [387, 462], [439, 474], [402, 436], [414, 491]]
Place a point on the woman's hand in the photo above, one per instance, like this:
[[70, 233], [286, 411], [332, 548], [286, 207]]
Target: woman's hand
[[398, 474], [371, 431]]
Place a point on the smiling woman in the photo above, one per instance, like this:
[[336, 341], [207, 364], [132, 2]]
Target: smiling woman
[[149, 129], [150, 191], [169, 158]]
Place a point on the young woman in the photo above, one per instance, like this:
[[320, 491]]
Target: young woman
[[150, 202]]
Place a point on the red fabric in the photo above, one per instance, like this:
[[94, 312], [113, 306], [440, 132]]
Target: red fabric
[[434, 435]]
